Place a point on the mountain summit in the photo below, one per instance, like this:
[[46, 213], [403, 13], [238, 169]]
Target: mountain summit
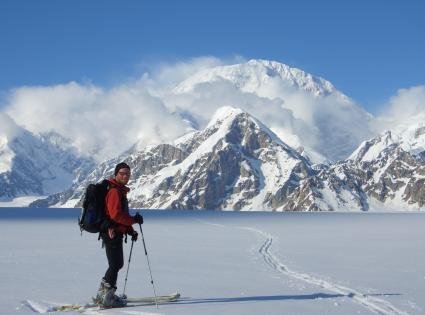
[[254, 74], [235, 163]]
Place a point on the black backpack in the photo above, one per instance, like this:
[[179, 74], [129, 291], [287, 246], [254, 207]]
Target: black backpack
[[93, 216]]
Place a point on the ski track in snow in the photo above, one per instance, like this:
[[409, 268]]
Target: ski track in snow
[[373, 304]]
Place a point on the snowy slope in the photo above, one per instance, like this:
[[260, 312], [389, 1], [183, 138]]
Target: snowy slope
[[409, 137], [412, 138]]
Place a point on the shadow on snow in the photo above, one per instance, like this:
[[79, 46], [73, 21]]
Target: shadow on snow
[[267, 298]]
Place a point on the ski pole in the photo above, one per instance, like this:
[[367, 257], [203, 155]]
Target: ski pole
[[128, 267], [149, 265]]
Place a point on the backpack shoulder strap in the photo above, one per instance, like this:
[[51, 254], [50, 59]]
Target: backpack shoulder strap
[[106, 183]]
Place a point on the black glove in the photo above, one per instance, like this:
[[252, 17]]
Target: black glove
[[134, 236], [138, 218]]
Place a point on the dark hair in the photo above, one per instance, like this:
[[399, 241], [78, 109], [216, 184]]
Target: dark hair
[[120, 166]]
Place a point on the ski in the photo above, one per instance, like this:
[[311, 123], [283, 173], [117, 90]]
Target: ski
[[160, 299], [131, 302], [72, 307]]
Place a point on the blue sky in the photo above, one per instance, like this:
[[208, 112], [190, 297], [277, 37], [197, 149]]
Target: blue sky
[[367, 49]]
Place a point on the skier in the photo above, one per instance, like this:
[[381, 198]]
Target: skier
[[116, 211]]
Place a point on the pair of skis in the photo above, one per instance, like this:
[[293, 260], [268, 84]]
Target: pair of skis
[[131, 302]]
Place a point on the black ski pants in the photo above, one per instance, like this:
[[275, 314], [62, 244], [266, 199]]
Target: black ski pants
[[115, 255]]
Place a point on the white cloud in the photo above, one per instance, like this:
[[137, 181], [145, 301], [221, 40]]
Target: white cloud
[[8, 128], [165, 73], [109, 121], [208, 97], [8, 131], [405, 108]]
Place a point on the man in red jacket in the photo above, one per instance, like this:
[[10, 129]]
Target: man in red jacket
[[118, 214]]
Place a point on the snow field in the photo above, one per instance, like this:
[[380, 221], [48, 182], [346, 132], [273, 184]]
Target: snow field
[[227, 263]]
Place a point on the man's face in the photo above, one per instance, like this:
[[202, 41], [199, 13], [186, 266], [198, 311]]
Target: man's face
[[123, 176]]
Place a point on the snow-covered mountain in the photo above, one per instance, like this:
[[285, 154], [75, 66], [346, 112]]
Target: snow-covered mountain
[[392, 170], [253, 75], [237, 163], [379, 175], [37, 165], [305, 110]]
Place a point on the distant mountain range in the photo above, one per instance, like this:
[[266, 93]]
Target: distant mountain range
[[237, 162], [36, 165]]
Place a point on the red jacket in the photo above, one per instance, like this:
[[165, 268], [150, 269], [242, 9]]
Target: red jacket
[[117, 207]]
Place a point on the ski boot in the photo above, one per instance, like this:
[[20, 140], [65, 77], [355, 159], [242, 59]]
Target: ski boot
[[111, 300], [101, 292]]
